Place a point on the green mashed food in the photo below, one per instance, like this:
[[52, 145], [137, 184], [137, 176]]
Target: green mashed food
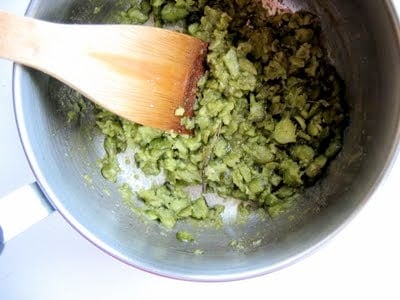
[[269, 115]]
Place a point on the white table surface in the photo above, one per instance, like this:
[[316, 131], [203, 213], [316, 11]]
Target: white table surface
[[51, 261]]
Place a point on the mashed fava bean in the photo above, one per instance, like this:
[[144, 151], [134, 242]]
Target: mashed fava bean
[[268, 119]]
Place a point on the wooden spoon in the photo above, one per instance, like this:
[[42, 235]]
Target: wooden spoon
[[140, 73]]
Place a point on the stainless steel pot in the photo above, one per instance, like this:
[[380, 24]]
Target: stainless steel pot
[[364, 43]]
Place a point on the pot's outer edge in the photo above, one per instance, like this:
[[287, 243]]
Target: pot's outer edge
[[48, 191]]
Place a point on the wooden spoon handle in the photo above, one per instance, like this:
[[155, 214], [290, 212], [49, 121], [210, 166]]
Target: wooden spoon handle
[[21, 38], [42, 45], [55, 49]]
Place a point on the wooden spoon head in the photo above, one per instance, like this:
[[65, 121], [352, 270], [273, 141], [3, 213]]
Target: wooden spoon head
[[151, 73]]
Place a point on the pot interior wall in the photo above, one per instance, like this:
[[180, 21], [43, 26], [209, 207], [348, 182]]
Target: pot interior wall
[[363, 44]]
